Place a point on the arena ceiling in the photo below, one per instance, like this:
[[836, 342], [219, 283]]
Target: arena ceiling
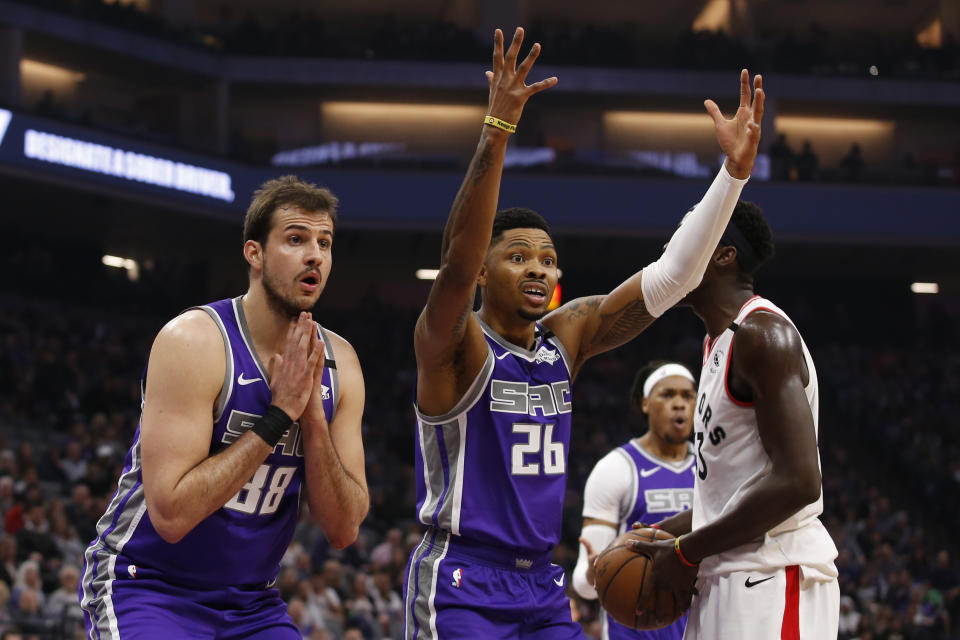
[[646, 16]]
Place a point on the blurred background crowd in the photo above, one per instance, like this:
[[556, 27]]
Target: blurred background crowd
[[69, 398]]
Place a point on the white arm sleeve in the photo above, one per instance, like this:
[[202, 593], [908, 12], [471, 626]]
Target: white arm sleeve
[[605, 497], [680, 268]]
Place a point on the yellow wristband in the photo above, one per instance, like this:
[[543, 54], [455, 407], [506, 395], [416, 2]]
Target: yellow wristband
[[499, 124]]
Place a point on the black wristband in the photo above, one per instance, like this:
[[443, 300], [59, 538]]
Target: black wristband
[[272, 425]]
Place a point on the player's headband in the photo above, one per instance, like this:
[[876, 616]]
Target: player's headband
[[746, 256], [665, 371]]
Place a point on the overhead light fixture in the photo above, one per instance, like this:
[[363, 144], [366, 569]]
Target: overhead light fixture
[[427, 274], [129, 264], [925, 287]]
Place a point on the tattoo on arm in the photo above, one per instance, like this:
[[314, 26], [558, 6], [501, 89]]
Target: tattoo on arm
[[478, 170], [618, 327], [580, 308]]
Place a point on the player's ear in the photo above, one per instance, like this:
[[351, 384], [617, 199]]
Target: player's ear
[[645, 406], [253, 253], [482, 276], [725, 255]]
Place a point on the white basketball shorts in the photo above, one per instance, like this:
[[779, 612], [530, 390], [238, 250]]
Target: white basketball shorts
[[776, 604]]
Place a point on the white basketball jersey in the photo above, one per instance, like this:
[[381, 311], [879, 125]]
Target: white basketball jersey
[[731, 459]]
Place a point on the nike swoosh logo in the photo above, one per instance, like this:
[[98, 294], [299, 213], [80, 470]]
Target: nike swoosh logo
[[245, 381], [503, 355], [646, 473], [749, 584], [559, 582]]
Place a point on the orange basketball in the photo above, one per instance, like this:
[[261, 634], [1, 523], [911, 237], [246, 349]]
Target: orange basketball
[[625, 582]]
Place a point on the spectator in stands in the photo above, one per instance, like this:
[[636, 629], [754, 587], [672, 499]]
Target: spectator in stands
[[34, 536], [8, 464], [353, 632], [852, 165], [8, 552], [781, 159], [80, 512], [807, 163], [296, 609], [73, 465], [333, 577], [28, 612], [6, 493], [387, 603], [383, 554], [324, 603], [360, 608], [287, 582], [28, 581], [62, 604], [849, 618], [69, 545]]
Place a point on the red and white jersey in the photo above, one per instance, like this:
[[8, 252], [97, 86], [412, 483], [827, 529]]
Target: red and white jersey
[[731, 459]]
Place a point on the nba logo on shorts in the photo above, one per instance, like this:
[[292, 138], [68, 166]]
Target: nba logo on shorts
[[132, 570], [457, 577]]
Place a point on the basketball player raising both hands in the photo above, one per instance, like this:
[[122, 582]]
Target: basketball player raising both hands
[[765, 560], [493, 394]]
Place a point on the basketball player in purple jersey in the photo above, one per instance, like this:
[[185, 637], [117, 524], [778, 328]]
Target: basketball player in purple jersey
[[645, 480], [765, 561], [246, 402], [493, 395]]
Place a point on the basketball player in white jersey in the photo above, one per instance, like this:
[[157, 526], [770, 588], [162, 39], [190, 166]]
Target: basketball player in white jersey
[[765, 560]]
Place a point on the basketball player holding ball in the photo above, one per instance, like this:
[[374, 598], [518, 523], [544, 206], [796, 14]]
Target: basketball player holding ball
[[494, 397], [648, 479], [765, 560]]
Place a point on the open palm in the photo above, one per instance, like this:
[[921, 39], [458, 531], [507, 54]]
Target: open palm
[[740, 135]]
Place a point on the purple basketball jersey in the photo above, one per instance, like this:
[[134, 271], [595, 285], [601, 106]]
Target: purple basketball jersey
[[241, 543], [493, 469], [663, 489]]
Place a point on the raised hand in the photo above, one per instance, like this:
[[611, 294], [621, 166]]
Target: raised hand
[[508, 89], [292, 372], [740, 135]]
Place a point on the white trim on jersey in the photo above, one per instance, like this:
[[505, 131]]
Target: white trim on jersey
[[428, 500], [432, 599], [458, 480], [108, 598], [669, 465], [469, 399]]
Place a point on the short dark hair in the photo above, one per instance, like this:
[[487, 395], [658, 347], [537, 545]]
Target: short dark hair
[[748, 222], [283, 191], [517, 218]]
